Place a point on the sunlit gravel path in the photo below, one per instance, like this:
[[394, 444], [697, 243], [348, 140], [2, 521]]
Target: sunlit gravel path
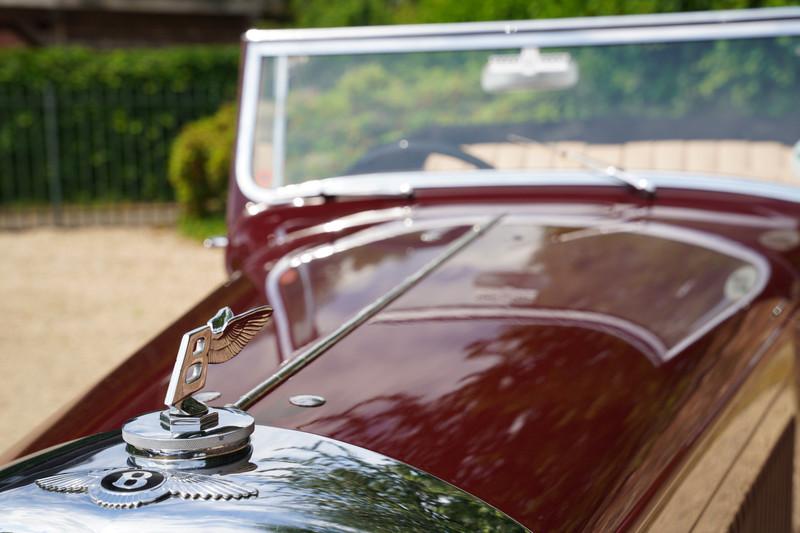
[[75, 303]]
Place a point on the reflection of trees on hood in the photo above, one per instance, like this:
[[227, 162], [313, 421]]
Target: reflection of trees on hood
[[685, 281], [542, 419], [341, 490], [343, 283], [562, 395]]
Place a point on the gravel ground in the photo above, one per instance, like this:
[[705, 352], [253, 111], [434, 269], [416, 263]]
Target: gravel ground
[[75, 303]]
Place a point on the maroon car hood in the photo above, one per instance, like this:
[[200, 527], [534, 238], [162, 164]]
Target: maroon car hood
[[536, 364], [554, 359]]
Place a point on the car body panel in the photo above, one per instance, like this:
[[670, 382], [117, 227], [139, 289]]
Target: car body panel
[[465, 377], [498, 372]]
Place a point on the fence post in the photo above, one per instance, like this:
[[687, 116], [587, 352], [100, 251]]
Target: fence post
[[52, 150]]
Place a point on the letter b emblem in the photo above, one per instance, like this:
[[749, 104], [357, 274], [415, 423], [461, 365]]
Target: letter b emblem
[[132, 480]]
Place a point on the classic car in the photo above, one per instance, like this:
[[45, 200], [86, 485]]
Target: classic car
[[531, 275]]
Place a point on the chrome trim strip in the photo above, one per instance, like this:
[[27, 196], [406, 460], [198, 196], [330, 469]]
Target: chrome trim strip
[[288, 194], [702, 240], [514, 26], [542, 39], [417, 181], [293, 365], [281, 91], [588, 31]]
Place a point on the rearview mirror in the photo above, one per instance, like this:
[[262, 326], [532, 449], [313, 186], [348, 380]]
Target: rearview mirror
[[530, 69]]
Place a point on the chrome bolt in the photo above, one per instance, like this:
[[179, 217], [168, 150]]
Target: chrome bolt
[[307, 400]]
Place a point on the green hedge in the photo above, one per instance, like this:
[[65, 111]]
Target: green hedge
[[145, 69], [102, 122], [200, 161]]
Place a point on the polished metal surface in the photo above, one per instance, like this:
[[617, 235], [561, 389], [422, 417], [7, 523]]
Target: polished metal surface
[[497, 178], [592, 31], [307, 400], [220, 340], [504, 27], [294, 365], [189, 434], [194, 415], [126, 488], [148, 438], [217, 241], [293, 481]]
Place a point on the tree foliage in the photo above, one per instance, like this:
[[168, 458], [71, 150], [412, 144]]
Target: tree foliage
[[311, 13]]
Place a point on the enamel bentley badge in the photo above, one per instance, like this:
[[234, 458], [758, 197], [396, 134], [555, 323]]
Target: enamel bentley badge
[[125, 488]]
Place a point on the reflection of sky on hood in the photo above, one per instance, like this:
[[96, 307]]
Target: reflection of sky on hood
[[335, 281], [355, 283], [575, 280], [669, 282]]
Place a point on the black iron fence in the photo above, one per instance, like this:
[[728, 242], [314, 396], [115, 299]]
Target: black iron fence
[[88, 156]]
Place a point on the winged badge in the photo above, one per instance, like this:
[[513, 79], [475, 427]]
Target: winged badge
[[126, 488], [220, 340]]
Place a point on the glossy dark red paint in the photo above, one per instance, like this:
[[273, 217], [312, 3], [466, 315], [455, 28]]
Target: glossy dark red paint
[[498, 372], [494, 374]]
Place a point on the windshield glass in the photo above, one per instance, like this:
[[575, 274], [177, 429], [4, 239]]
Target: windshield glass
[[726, 107]]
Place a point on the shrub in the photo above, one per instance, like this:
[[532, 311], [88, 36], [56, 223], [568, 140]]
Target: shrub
[[200, 160]]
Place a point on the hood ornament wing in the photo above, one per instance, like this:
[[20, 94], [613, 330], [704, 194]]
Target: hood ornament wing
[[220, 340]]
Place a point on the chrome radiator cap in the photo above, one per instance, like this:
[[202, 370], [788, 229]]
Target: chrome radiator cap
[[151, 443], [189, 434]]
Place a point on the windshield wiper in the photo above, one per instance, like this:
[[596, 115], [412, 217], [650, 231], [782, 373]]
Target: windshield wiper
[[637, 183], [338, 189]]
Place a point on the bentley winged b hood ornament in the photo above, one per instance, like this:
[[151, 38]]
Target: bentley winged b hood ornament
[[220, 340], [188, 435], [188, 428]]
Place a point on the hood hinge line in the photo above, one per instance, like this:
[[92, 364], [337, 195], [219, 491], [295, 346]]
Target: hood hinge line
[[293, 365]]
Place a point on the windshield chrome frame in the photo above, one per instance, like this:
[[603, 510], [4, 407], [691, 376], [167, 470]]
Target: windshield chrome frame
[[599, 31]]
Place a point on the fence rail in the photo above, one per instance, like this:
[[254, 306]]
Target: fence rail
[[64, 152]]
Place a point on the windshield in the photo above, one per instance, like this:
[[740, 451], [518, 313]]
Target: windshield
[[712, 107]]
